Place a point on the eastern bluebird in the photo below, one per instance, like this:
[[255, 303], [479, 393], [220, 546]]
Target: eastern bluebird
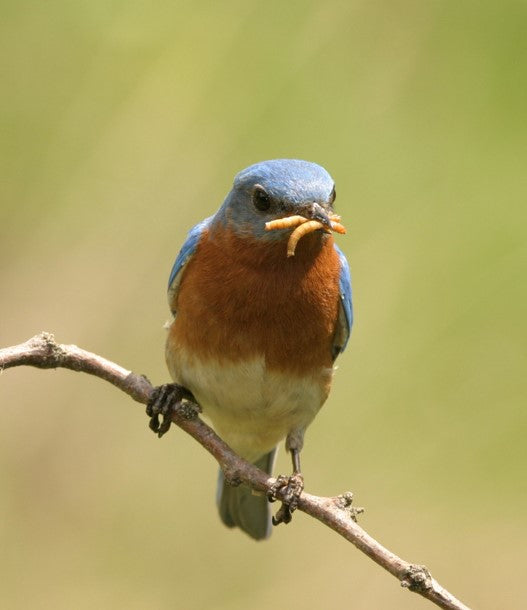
[[259, 320]]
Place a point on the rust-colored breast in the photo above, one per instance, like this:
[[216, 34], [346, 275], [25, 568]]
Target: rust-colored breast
[[241, 298]]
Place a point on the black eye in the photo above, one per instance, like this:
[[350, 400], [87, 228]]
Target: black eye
[[332, 195], [261, 199]]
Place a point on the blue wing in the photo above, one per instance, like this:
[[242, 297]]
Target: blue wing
[[185, 254], [345, 316]]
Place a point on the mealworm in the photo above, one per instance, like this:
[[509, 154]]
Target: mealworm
[[303, 226], [299, 232], [285, 223], [337, 227]]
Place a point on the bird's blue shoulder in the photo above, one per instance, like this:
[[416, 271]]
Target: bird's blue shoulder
[[185, 254], [345, 318]]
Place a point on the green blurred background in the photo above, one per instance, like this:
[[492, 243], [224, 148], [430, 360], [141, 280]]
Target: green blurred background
[[123, 123]]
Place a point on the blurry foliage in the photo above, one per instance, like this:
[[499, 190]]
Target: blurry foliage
[[123, 124]]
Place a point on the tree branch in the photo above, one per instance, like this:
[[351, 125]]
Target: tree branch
[[337, 513]]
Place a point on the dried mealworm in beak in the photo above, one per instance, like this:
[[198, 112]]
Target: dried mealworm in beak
[[302, 226], [285, 223], [299, 232]]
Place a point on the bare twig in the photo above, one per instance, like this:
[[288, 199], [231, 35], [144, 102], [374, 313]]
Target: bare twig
[[337, 513]]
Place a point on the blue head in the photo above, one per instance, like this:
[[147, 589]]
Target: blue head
[[275, 189]]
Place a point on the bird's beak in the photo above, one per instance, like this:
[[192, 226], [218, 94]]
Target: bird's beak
[[314, 211]]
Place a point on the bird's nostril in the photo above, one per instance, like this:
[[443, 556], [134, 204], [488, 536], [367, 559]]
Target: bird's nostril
[[316, 212]]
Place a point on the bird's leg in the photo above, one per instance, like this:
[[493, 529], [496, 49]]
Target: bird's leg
[[168, 399], [291, 488]]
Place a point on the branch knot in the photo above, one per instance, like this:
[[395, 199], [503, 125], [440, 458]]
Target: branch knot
[[54, 354], [417, 578], [344, 502]]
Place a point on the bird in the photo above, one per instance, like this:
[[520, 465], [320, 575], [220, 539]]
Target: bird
[[261, 303]]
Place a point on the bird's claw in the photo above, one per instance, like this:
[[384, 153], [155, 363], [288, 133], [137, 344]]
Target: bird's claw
[[290, 489], [166, 400]]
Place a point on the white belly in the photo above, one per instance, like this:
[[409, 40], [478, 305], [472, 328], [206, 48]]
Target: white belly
[[251, 408]]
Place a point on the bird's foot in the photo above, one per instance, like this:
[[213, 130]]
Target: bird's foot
[[290, 489], [166, 400]]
